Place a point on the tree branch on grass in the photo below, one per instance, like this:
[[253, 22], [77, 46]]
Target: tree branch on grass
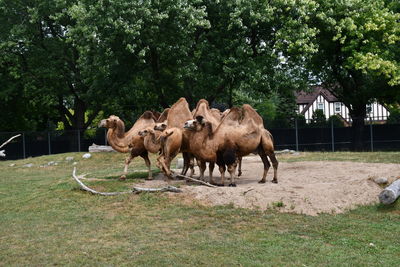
[[195, 180], [2, 152], [134, 189]]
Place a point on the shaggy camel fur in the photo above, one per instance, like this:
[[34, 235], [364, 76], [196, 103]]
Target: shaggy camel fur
[[178, 114], [151, 139], [130, 141], [215, 117], [240, 133], [245, 115]]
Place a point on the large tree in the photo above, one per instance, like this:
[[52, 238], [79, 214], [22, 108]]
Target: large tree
[[358, 54], [65, 59]]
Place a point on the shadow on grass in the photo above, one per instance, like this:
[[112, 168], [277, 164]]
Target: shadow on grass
[[388, 208]]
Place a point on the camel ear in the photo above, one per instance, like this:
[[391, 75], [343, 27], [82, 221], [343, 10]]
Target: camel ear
[[199, 119]]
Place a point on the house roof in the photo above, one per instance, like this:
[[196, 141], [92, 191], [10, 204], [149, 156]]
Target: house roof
[[309, 97]]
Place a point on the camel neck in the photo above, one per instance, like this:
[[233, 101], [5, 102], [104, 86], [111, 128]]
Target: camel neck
[[117, 141]]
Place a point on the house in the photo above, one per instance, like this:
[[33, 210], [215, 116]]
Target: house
[[321, 98]]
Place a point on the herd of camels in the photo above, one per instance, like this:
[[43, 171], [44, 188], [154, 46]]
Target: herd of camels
[[205, 134]]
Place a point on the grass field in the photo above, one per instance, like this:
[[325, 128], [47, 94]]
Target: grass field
[[46, 220]]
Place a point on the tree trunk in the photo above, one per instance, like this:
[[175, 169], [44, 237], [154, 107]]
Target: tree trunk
[[390, 193], [358, 114], [358, 133]]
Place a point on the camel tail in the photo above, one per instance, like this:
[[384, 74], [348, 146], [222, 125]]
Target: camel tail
[[270, 135]]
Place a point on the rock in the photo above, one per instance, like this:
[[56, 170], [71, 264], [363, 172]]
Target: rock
[[28, 165], [69, 158], [179, 163], [51, 163], [87, 156], [97, 148], [12, 165], [75, 163], [296, 154], [381, 180]]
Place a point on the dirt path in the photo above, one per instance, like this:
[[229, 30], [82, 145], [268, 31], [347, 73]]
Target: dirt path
[[304, 187]]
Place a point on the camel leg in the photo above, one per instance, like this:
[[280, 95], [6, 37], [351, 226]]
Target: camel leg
[[211, 166], [267, 148], [222, 171], [186, 159], [232, 170], [266, 163], [202, 167], [128, 160], [164, 164], [191, 165], [145, 156], [275, 164], [240, 166]]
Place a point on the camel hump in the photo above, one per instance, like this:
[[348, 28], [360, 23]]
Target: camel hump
[[250, 112], [234, 114], [202, 102], [181, 101], [179, 113], [164, 115], [147, 115]]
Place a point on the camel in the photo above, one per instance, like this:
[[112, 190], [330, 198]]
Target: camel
[[151, 139], [214, 116], [178, 114], [240, 133], [129, 141]]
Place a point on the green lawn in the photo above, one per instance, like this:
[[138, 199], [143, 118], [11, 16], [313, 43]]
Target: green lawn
[[46, 220]]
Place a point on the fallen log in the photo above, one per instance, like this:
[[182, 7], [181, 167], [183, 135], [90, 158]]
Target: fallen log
[[168, 188], [195, 180], [390, 193]]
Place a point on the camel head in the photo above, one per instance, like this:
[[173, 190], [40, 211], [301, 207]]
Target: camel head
[[146, 132], [160, 126], [196, 125], [111, 123]]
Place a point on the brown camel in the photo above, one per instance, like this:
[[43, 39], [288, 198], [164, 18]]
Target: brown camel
[[240, 133], [214, 116], [151, 139], [129, 141], [178, 114]]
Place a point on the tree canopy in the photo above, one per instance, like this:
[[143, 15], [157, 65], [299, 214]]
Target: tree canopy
[[70, 60]]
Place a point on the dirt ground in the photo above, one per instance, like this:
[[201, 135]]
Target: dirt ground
[[304, 187]]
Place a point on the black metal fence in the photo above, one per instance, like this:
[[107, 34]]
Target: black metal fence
[[376, 138]]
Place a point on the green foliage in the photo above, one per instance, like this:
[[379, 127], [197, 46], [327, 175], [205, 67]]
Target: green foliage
[[335, 121], [124, 57], [394, 117], [318, 119]]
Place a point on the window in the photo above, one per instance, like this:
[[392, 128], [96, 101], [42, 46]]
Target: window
[[320, 105], [368, 108], [338, 107]]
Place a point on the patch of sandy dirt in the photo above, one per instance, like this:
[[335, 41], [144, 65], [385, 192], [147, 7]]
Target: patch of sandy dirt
[[304, 187]]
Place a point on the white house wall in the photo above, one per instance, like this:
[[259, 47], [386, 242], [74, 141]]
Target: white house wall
[[378, 112]]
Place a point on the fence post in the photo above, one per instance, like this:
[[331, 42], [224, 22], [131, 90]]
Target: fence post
[[23, 145], [371, 134], [332, 137], [297, 135], [79, 141], [49, 142]]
